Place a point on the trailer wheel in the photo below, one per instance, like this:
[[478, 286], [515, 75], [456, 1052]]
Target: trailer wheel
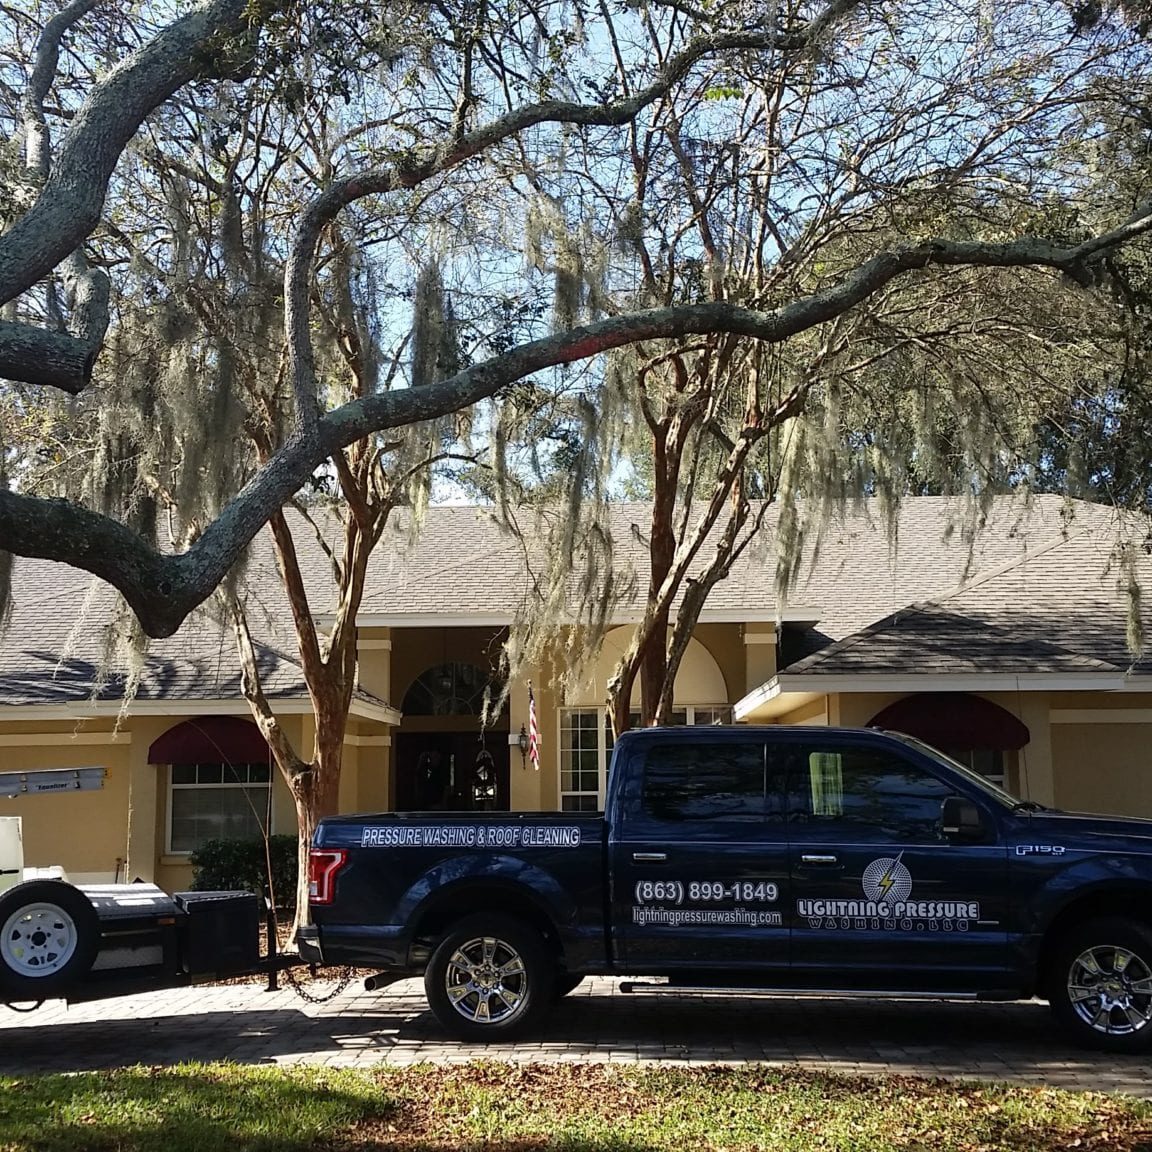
[[49, 936], [490, 978]]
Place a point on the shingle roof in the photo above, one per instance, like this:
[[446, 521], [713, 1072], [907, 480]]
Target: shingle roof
[[1029, 578], [927, 638], [1062, 608], [853, 572], [53, 649]]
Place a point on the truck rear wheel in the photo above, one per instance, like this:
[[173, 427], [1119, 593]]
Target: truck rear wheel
[[1101, 984], [49, 936], [490, 977]]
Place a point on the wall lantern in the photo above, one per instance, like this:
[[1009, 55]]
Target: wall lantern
[[522, 741]]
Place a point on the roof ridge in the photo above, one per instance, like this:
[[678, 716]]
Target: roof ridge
[[1064, 537]]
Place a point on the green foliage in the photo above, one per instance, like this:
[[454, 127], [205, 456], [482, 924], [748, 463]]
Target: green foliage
[[241, 865], [582, 1108], [188, 1108]]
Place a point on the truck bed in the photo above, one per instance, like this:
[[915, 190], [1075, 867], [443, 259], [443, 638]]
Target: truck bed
[[400, 872]]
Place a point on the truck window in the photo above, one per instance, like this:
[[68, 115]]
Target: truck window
[[720, 780], [855, 788]]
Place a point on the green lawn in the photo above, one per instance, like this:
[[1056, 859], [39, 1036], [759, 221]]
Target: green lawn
[[571, 1108]]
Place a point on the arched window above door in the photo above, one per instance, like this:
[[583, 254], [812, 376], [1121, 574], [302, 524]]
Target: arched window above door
[[452, 689]]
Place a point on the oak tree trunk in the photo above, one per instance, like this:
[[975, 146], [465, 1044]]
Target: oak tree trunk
[[315, 795]]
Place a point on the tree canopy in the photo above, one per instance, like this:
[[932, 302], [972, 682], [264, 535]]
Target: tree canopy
[[251, 197]]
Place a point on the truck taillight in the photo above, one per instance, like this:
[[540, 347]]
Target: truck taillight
[[323, 865]]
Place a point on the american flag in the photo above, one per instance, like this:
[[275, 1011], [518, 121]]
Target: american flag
[[533, 731]]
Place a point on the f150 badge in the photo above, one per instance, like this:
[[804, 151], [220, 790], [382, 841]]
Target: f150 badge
[[1039, 849]]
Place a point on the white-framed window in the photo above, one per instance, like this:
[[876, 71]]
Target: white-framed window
[[989, 762], [586, 750], [215, 802], [713, 714]]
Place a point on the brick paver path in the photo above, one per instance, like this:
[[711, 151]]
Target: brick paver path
[[1015, 1042]]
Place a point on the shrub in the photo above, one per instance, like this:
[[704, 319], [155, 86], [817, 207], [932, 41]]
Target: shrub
[[240, 865]]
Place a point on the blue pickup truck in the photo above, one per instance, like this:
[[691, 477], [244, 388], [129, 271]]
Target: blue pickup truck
[[765, 861]]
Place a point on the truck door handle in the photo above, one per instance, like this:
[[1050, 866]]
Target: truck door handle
[[822, 859], [649, 857]]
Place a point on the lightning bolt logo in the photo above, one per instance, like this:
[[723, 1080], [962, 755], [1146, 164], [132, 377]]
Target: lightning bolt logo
[[888, 879]]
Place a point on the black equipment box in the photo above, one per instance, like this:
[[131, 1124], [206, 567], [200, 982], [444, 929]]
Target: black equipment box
[[221, 932]]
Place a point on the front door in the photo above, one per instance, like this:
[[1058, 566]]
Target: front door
[[452, 772], [881, 897], [700, 859]]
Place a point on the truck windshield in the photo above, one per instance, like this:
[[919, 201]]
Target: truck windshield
[[981, 782]]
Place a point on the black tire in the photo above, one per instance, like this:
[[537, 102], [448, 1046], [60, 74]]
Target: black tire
[[1100, 984], [564, 983], [514, 975], [49, 937]]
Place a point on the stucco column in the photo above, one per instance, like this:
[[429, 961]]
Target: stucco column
[[523, 779], [146, 812], [349, 797], [1037, 779], [374, 662], [759, 656]]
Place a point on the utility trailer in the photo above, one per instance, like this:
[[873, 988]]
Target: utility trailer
[[87, 942]]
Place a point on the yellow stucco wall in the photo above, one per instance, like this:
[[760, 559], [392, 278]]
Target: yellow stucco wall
[[1104, 765], [759, 656], [726, 646], [1103, 768], [815, 712], [85, 832], [374, 661], [120, 830]]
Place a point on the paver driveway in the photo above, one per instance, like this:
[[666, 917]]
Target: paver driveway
[[244, 1023]]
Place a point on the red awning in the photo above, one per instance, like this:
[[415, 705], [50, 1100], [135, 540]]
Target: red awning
[[953, 720], [210, 740]]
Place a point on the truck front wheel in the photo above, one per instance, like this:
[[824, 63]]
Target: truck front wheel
[[490, 977], [1101, 984]]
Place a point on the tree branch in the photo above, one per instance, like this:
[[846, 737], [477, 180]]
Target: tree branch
[[417, 168], [253, 691], [71, 201], [162, 590], [37, 151]]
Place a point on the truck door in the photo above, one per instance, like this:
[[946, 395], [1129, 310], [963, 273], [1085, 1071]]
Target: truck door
[[881, 896], [699, 858]]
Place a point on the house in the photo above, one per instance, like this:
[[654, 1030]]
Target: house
[[1010, 648]]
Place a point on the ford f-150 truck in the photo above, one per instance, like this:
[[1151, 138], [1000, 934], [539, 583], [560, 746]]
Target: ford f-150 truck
[[769, 861]]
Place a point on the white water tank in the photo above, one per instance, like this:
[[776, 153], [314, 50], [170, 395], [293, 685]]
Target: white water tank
[[11, 852]]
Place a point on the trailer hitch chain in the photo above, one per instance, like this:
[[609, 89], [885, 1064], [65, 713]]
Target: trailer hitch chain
[[301, 990]]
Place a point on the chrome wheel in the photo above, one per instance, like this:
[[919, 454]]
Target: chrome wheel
[[1110, 989], [37, 940], [486, 980]]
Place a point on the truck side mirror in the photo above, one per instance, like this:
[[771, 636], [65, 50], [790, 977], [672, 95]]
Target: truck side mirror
[[960, 819]]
